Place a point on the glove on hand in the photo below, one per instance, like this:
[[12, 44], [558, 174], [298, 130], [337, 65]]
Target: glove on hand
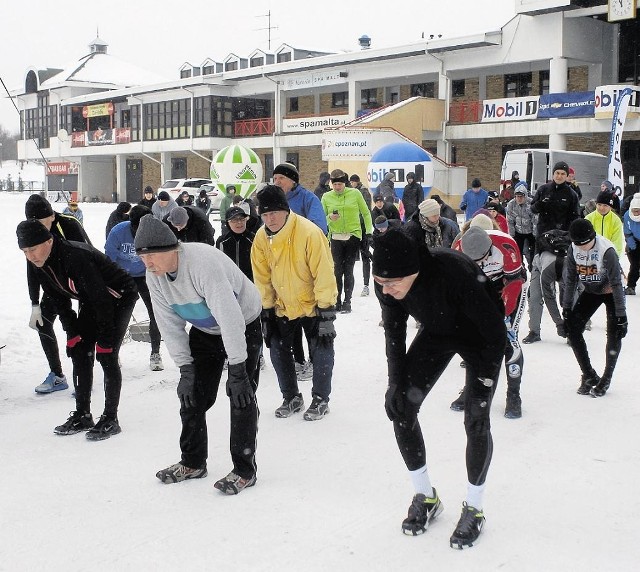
[[238, 386], [621, 326], [268, 319], [394, 402], [71, 344], [187, 386], [326, 329], [36, 317], [102, 353]]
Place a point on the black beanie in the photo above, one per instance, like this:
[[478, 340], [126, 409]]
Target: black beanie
[[581, 231], [395, 255], [37, 207], [31, 233], [605, 198], [561, 166], [135, 214], [272, 198], [154, 236], [288, 170]]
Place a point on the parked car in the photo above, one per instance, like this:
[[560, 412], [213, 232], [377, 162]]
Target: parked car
[[175, 186], [214, 194]]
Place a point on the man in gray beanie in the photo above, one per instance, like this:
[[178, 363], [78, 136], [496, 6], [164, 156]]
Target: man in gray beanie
[[426, 225], [197, 284], [459, 313]]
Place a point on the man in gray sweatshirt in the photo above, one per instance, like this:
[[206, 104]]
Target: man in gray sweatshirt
[[197, 284]]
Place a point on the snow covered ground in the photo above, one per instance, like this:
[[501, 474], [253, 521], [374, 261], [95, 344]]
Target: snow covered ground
[[330, 494]]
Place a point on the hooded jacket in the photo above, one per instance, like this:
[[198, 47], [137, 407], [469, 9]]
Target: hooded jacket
[[412, 196], [350, 205], [304, 203], [160, 212], [198, 229], [473, 200], [121, 249], [238, 248]]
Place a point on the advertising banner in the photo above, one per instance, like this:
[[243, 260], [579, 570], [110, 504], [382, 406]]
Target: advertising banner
[[315, 80], [509, 109], [97, 110], [290, 125], [606, 100], [358, 144], [614, 173], [574, 104]]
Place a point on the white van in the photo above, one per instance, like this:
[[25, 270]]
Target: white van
[[535, 165]]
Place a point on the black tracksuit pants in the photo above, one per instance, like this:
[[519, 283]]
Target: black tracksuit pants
[[345, 253]]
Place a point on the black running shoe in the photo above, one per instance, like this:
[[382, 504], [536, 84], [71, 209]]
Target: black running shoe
[[468, 529], [346, 308], [458, 403], [103, 429], [513, 410], [77, 422], [587, 382], [531, 338], [600, 388], [422, 511]]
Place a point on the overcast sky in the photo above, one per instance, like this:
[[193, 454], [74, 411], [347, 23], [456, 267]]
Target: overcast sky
[[161, 36]]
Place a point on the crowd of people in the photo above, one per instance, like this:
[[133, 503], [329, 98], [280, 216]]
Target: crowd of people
[[281, 272]]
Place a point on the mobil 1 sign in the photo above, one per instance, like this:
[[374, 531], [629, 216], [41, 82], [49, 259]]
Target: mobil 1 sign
[[510, 109]]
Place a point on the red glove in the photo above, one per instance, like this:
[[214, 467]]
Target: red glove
[[101, 350], [73, 342]]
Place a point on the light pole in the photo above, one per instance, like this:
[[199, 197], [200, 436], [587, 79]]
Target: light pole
[[62, 181]]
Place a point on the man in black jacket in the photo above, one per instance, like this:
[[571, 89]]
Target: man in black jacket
[[43, 312], [237, 241], [412, 196], [460, 313], [106, 295], [190, 224], [555, 202]]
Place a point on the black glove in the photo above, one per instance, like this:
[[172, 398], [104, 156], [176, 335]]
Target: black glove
[[621, 326], [268, 319], [187, 386], [326, 329], [394, 402], [238, 386]]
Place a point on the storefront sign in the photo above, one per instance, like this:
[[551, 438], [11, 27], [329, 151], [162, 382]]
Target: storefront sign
[[509, 109], [312, 123], [97, 110], [62, 168], [573, 104], [606, 100], [356, 144], [315, 80]]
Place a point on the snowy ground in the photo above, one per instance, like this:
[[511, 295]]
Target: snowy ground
[[330, 494]]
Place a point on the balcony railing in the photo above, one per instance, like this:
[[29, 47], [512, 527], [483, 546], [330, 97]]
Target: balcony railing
[[249, 127], [462, 112]]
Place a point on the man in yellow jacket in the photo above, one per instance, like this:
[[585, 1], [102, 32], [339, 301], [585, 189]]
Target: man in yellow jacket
[[293, 270], [606, 222]]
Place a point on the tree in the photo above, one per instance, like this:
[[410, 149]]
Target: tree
[[9, 147]]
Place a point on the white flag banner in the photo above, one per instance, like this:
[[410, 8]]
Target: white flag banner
[[614, 173]]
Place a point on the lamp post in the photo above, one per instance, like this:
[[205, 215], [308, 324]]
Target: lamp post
[[62, 181]]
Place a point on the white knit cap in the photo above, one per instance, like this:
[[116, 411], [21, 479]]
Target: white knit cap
[[635, 202], [482, 221], [429, 207]]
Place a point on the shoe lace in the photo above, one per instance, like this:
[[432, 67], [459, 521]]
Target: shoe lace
[[468, 519]]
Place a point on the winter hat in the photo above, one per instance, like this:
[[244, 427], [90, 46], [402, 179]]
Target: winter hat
[[520, 189], [476, 184], [572, 171], [37, 207], [354, 178], [635, 202], [605, 198], [561, 166], [429, 207], [377, 198], [122, 208], [482, 221], [490, 206], [607, 184], [381, 222], [475, 243], [410, 176], [272, 198], [233, 212], [339, 176], [229, 187], [163, 196], [395, 255], [581, 231], [135, 214], [203, 193], [31, 233], [493, 194], [148, 189], [178, 217], [154, 236], [288, 170]]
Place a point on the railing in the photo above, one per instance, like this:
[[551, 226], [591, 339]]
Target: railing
[[248, 127], [462, 112]]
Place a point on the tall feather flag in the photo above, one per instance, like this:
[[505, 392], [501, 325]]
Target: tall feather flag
[[614, 173]]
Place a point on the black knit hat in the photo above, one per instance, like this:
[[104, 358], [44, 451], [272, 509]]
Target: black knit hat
[[37, 207], [233, 212], [395, 255], [581, 231], [476, 183], [164, 196], [135, 214], [148, 189], [31, 233], [355, 178], [561, 166], [272, 198], [605, 198], [288, 170], [154, 236]]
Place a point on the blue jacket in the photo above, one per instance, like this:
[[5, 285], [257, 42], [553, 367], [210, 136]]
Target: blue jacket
[[119, 247], [306, 204], [472, 201], [631, 231]]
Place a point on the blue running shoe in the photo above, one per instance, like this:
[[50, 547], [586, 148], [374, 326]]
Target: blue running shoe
[[52, 383]]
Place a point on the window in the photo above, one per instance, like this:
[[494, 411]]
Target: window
[[206, 70], [543, 79], [231, 66], [284, 57], [457, 88], [293, 104], [518, 84], [125, 118], [185, 73], [424, 90], [167, 119], [368, 98], [256, 61], [340, 99]]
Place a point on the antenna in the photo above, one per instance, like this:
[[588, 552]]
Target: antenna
[[269, 27]]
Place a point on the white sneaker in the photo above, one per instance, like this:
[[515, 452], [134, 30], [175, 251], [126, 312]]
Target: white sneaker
[[155, 362]]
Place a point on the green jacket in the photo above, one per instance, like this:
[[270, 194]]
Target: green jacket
[[610, 226], [350, 205]]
